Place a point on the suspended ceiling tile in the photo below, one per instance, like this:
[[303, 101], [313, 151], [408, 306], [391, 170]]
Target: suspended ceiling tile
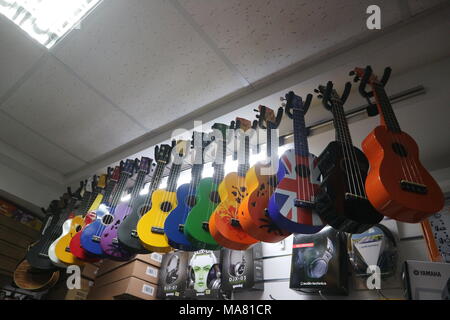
[[418, 6], [57, 105], [264, 37], [17, 55], [146, 58], [25, 140]]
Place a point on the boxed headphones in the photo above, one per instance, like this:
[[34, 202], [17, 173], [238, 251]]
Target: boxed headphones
[[320, 262], [173, 277], [204, 275], [242, 269]]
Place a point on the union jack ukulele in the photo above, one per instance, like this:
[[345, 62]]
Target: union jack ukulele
[[291, 206]]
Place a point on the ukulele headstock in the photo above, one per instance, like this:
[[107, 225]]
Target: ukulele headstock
[[144, 165], [200, 141], [162, 153], [128, 167], [267, 118], [115, 175], [295, 102], [329, 96]]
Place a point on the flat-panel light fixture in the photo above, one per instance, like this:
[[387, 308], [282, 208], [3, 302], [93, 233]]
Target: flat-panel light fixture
[[47, 21]]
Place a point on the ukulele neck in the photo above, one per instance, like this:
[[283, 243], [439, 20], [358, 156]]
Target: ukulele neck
[[388, 118], [300, 134], [340, 124]]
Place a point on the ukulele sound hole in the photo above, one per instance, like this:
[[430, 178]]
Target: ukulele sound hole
[[214, 197], [78, 228], [303, 171], [190, 201], [107, 219], [399, 149], [166, 206]]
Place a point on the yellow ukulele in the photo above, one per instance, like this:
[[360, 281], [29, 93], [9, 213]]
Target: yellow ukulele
[[150, 228], [75, 224]]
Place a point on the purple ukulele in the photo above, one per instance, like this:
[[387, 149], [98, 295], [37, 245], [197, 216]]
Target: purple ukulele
[[109, 243]]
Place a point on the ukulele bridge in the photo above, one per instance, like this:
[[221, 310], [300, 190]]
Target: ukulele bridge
[[413, 187], [96, 239], [67, 249], [205, 226], [134, 234], [157, 230], [115, 241], [303, 204], [43, 255], [181, 227]]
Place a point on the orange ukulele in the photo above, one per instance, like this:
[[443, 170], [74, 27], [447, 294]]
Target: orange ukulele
[[224, 223], [261, 184], [398, 185]]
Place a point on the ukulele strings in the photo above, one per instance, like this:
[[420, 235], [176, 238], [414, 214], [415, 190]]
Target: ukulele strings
[[343, 142], [55, 231], [389, 115], [354, 160]]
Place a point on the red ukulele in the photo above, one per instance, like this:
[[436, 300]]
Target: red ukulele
[[398, 185]]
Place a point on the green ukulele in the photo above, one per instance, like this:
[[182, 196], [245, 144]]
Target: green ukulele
[[196, 226]]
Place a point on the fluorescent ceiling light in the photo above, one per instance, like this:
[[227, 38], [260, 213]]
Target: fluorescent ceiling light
[[47, 21]]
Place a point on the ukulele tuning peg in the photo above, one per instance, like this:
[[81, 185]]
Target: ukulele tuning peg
[[356, 79], [283, 104], [320, 96], [351, 73], [316, 90], [256, 110], [257, 116], [282, 99]]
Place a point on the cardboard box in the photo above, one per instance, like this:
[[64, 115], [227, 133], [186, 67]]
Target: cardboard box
[[320, 262], [151, 258], [426, 280], [7, 208], [9, 250], [128, 288], [173, 276], [17, 226], [82, 293], [136, 268], [90, 271]]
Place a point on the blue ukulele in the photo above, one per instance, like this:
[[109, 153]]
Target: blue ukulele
[[174, 225]]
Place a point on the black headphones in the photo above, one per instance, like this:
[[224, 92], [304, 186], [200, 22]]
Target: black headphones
[[387, 260], [214, 275], [236, 263], [315, 261], [172, 269]]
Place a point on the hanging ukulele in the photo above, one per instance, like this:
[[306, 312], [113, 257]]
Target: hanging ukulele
[[196, 227], [186, 199], [91, 235], [127, 233], [260, 183], [342, 200], [109, 239], [70, 214], [150, 227], [37, 254], [224, 224], [398, 185], [291, 206], [104, 185]]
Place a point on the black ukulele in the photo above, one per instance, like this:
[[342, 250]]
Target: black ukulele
[[342, 200]]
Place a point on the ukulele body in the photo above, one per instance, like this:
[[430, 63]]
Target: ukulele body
[[127, 232], [253, 213], [37, 254], [52, 249], [62, 247], [186, 199], [333, 203], [150, 227], [91, 234], [389, 165], [232, 191], [194, 228], [75, 243], [109, 239], [298, 176]]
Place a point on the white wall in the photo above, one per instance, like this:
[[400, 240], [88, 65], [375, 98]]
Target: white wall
[[24, 187]]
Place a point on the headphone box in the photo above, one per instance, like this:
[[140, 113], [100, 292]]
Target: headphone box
[[204, 275], [425, 280], [173, 275], [320, 262], [242, 270]]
